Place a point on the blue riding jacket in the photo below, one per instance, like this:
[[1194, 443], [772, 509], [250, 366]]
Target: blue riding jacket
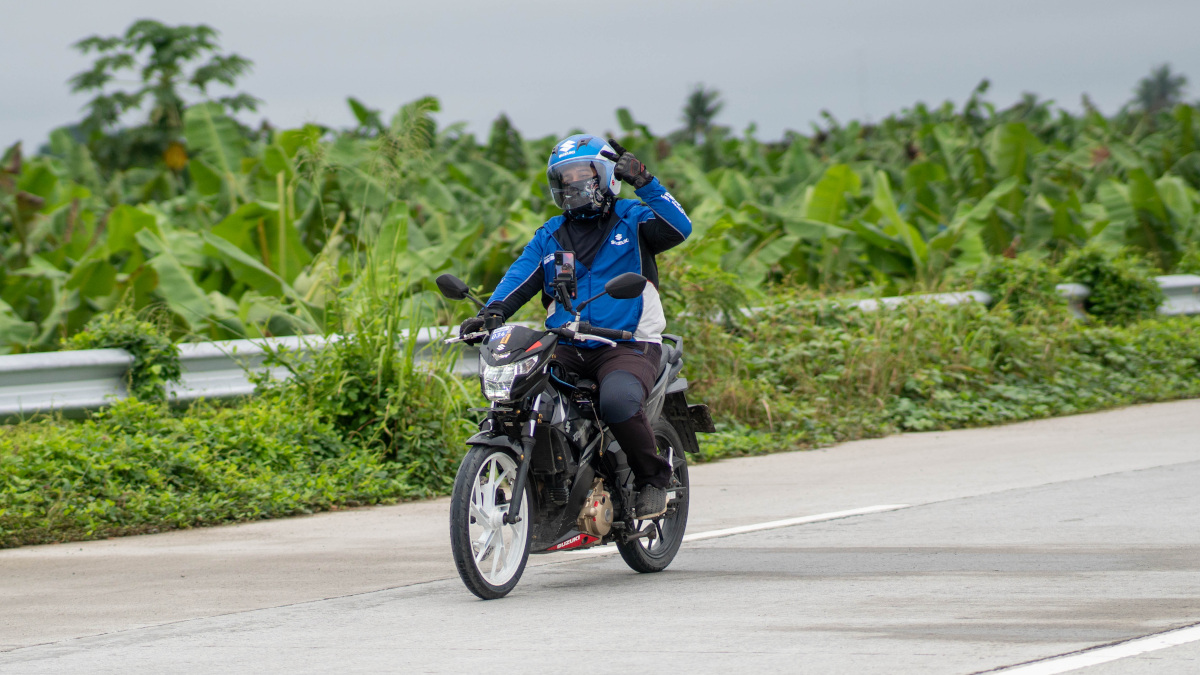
[[633, 233]]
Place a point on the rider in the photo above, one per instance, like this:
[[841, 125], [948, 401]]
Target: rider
[[608, 237]]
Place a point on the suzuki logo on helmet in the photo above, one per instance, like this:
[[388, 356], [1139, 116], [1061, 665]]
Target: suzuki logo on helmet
[[566, 148]]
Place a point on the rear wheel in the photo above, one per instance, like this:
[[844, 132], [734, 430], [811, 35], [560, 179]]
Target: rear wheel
[[490, 554], [660, 538]]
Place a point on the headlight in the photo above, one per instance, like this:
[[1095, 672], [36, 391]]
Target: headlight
[[498, 380]]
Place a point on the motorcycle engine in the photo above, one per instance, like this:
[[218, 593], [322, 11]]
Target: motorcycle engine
[[596, 518]]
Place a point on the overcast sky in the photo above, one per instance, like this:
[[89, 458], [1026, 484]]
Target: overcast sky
[[556, 65]]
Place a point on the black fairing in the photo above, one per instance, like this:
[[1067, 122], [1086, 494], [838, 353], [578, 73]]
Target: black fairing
[[508, 341], [509, 344]]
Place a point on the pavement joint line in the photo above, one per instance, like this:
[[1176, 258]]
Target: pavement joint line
[[757, 527], [1094, 656]]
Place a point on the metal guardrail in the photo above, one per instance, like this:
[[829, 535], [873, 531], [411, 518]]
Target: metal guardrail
[[75, 381], [221, 369], [873, 304], [68, 381], [72, 382], [1182, 293]]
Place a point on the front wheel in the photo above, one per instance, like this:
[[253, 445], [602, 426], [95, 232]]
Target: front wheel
[[659, 539], [489, 553]]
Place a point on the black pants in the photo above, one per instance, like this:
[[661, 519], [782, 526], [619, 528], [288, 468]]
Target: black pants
[[625, 374]]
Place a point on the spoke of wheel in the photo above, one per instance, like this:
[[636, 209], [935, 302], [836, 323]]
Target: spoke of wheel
[[477, 499], [485, 544], [496, 556], [658, 529], [478, 514]]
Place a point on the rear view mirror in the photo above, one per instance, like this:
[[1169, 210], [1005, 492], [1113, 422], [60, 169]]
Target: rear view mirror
[[454, 288], [626, 286]]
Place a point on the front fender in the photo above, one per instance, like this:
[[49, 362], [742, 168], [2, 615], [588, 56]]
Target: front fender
[[495, 439]]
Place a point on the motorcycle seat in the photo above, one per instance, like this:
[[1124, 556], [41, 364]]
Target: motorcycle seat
[[671, 352], [664, 362]]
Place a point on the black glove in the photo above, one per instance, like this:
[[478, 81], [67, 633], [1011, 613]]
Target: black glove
[[471, 325], [629, 168]]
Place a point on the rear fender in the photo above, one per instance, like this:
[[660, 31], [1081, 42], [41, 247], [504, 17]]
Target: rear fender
[[680, 415]]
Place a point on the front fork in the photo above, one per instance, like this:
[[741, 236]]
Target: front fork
[[541, 411], [514, 507]]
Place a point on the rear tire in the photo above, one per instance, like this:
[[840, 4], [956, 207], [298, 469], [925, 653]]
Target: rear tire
[[490, 555], [654, 555]]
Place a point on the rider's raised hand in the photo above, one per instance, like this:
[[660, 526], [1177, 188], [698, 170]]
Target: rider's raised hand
[[629, 168]]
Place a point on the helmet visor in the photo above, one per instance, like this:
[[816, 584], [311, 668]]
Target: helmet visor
[[580, 183]]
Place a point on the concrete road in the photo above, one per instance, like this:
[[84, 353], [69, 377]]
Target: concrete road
[[1022, 542]]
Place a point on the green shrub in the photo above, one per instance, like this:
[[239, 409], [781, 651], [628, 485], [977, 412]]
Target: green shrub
[[137, 467], [362, 421], [1189, 262], [1123, 288], [700, 290], [1025, 285], [376, 390], [810, 373], [155, 357]]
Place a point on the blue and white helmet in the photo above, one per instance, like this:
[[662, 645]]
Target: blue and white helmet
[[581, 179]]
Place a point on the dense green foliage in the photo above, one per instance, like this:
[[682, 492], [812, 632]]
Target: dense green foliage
[[1024, 285], [1122, 288], [155, 357], [358, 423], [256, 233], [167, 60], [136, 468], [812, 372], [372, 388]]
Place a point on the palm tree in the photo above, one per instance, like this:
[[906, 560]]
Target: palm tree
[[1160, 89], [698, 113]]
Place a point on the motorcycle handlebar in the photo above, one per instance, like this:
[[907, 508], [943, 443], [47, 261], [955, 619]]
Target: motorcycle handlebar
[[605, 332], [591, 334]]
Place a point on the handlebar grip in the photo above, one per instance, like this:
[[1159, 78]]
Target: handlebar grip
[[605, 332]]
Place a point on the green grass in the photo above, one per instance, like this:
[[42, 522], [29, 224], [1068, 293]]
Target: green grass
[[138, 468], [813, 373]]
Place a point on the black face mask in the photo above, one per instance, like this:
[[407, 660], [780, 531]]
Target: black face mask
[[582, 195], [591, 212]]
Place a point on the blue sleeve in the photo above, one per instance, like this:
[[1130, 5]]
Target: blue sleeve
[[523, 279], [670, 226]]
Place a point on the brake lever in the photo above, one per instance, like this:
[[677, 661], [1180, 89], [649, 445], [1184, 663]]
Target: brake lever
[[597, 338], [464, 338]]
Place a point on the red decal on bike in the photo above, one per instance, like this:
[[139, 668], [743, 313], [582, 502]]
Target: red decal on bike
[[534, 346], [575, 542]]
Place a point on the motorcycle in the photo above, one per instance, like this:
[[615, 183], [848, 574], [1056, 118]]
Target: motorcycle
[[544, 473]]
